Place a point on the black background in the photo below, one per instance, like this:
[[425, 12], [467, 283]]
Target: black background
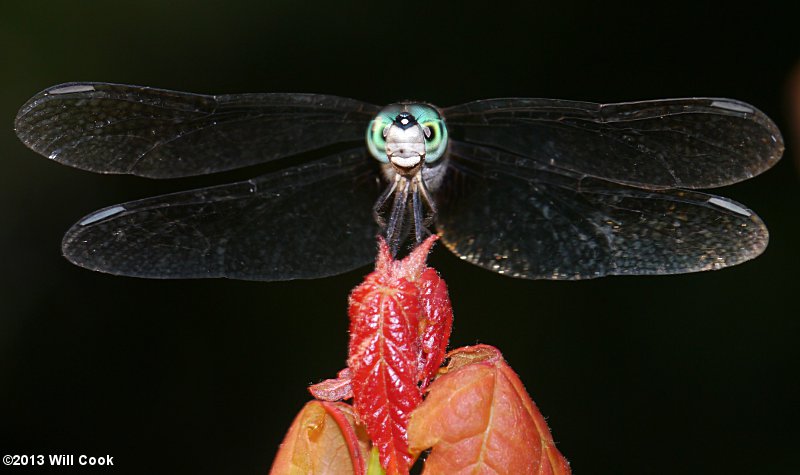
[[688, 374]]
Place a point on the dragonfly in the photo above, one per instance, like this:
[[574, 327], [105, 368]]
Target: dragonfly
[[528, 188]]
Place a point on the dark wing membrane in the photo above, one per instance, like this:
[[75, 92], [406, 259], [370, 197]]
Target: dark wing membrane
[[548, 225], [311, 221], [673, 143], [114, 128]]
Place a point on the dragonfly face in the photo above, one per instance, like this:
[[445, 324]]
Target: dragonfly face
[[405, 143], [406, 134], [530, 188]]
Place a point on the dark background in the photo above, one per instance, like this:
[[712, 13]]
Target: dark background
[[689, 374]]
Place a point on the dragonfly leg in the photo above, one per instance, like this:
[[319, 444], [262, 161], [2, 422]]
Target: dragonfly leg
[[394, 229], [379, 204], [423, 190], [420, 232]]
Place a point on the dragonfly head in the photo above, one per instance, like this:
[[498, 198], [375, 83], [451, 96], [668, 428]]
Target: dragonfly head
[[407, 135]]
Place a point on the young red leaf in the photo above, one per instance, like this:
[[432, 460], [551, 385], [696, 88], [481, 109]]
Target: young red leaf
[[435, 324], [478, 418], [323, 440], [336, 389], [386, 350]]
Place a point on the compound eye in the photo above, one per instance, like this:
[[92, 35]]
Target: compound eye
[[376, 138], [435, 139]]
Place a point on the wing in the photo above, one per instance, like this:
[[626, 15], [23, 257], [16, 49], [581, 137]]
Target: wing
[[546, 224], [114, 128], [674, 143], [310, 221]]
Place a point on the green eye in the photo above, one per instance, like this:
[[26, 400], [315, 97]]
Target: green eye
[[375, 141], [436, 143]]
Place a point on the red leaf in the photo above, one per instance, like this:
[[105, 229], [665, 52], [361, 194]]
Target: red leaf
[[386, 348], [478, 418], [436, 323], [400, 321]]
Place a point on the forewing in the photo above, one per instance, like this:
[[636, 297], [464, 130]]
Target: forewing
[[115, 128], [310, 221], [547, 225], [674, 143]]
